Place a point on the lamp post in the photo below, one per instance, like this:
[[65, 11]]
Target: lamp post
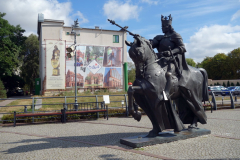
[[75, 61]]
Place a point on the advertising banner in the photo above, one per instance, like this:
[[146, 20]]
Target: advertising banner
[[97, 67], [55, 64]]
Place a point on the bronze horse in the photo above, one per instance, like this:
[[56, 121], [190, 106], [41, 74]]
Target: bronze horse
[[154, 92]]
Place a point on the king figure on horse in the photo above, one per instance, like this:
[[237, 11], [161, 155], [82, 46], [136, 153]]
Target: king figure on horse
[[163, 78]]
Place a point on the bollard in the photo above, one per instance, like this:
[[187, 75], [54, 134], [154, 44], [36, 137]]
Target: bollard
[[232, 102], [97, 106], [126, 104], [222, 100], [63, 116], [33, 105], [214, 101], [65, 99], [25, 109], [76, 107]]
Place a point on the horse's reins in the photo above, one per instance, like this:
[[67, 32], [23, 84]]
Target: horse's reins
[[153, 62]]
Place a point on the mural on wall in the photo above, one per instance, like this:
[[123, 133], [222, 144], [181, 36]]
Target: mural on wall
[[91, 71], [55, 64]]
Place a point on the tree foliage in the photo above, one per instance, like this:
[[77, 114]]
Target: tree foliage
[[190, 62], [223, 66], [2, 90], [131, 72], [11, 46], [30, 67]]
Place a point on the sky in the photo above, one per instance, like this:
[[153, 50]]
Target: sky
[[207, 27]]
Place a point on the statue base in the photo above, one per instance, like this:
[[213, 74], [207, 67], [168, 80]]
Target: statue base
[[163, 137]]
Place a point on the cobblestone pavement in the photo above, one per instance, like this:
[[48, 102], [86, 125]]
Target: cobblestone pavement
[[99, 139]]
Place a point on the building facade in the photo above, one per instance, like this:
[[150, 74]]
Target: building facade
[[97, 51]]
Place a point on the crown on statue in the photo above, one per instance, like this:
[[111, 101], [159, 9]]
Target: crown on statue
[[166, 21]]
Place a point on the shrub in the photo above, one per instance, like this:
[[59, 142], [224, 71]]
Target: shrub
[[3, 93]]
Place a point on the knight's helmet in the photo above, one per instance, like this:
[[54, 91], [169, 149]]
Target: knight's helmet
[[166, 21]]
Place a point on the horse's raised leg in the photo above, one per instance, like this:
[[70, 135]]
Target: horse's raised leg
[[131, 109]]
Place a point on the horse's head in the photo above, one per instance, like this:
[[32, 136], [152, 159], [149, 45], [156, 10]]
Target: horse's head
[[140, 50]]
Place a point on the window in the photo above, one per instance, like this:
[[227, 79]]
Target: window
[[67, 33], [115, 38]]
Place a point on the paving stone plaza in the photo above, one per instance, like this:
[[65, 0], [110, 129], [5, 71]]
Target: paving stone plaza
[[99, 139]]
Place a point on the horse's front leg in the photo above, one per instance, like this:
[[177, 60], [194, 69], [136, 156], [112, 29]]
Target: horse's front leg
[[132, 109]]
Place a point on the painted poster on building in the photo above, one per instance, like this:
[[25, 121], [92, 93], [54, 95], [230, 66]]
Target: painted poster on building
[[70, 68], [93, 64], [113, 77], [55, 64], [112, 57], [94, 53]]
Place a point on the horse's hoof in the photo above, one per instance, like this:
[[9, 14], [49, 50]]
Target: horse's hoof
[[152, 133], [192, 127]]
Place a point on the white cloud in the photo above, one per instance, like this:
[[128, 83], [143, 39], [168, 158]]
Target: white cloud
[[236, 15], [122, 11], [25, 12], [82, 18], [150, 2], [211, 40]]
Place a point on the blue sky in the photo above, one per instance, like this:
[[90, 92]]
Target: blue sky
[[208, 27]]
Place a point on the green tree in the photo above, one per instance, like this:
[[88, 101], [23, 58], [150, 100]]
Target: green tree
[[234, 64], [190, 62], [206, 64], [11, 46], [224, 85], [2, 90], [216, 67], [11, 82], [232, 84], [199, 65], [238, 84], [131, 72], [228, 84], [30, 67]]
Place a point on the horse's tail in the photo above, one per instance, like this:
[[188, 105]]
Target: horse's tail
[[205, 95]]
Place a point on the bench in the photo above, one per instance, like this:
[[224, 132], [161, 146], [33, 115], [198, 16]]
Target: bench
[[207, 105], [63, 113]]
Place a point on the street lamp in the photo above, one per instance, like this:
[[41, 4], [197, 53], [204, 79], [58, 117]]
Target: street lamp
[[71, 49]]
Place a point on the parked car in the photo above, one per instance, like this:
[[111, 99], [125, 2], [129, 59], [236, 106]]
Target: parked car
[[233, 89], [217, 91], [236, 91], [221, 87]]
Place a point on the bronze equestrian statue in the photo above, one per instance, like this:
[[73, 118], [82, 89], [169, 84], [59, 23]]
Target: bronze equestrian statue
[[165, 77]]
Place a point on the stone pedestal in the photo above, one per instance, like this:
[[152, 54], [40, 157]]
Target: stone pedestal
[[163, 137]]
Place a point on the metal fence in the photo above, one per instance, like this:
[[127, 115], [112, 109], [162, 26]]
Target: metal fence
[[121, 104], [224, 102]]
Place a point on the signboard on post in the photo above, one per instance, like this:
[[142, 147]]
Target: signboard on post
[[106, 99]]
